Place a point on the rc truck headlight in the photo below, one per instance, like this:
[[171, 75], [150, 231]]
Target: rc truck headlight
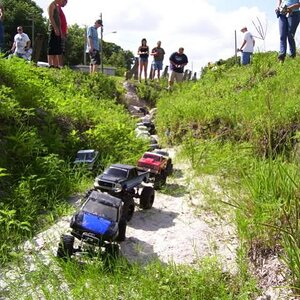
[[117, 188], [96, 184]]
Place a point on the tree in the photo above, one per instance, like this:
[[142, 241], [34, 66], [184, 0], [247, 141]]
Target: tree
[[113, 54], [75, 45]]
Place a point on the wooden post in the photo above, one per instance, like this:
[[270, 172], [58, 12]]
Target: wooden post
[[37, 48]]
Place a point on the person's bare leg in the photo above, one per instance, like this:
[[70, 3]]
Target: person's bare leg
[[50, 60], [60, 61], [145, 70], [140, 70], [56, 61]]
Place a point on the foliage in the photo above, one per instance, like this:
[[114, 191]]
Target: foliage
[[114, 279], [226, 106], [150, 91], [115, 56], [75, 45], [241, 124], [46, 117]]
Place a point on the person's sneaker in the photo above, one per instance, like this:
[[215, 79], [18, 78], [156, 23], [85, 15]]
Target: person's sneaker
[[281, 58]]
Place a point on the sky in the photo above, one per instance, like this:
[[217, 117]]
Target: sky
[[205, 28]]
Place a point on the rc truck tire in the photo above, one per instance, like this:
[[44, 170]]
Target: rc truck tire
[[65, 246], [160, 180], [147, 197], [129, 206], [112, 250], [122, 231], [169, 168]]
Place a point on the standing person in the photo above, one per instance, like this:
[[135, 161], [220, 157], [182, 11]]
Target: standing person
[[54, 43], [289, 16], [158, 57], [1, 27], [178, 60], [64, 30], [21, 43], [143, 52], [247, 46], [93, 46]]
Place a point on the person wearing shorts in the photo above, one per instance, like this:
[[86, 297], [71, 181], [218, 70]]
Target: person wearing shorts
[[158, 57], [178, 60], [93, 46], [143, 52], [64, 31], [54, 43], [21, 44]]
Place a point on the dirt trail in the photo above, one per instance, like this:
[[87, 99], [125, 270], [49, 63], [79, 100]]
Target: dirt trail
[[171, 231]]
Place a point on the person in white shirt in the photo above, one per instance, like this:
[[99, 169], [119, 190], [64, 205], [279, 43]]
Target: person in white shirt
[[21, 43], [247, 46]]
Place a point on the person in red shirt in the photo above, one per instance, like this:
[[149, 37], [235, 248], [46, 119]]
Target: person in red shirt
[[54, 42], [64, 30]]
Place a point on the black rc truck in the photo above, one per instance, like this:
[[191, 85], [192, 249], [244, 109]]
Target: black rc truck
[[127, 182]]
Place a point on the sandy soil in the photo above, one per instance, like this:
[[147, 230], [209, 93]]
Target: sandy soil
[[171, 231]]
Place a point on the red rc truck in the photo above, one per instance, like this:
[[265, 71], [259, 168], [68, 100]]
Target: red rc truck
[[159, 164]]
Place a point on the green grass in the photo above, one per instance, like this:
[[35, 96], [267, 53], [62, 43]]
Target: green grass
[[237, 124], [241, 125], [46, 117], [116, 279]]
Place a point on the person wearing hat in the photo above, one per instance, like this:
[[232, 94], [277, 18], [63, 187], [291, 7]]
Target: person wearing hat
[[93, 46], [247, 46], [288, 14]]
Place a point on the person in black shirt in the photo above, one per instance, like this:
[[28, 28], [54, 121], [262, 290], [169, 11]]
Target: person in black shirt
[[177, 62], [143, 52]]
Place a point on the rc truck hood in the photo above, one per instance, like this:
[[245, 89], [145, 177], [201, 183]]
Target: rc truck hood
[[148, 161], [93, 223], [110, 178]]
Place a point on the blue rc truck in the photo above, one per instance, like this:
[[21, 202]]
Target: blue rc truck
[[100, 223]]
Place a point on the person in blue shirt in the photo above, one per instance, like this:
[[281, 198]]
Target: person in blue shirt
[[289, 16], [93, 46]]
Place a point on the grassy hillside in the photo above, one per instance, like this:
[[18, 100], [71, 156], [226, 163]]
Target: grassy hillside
[[238, 124], [242, 125], [46, 116]]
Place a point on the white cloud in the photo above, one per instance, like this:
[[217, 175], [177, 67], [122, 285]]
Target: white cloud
[[206, 33]]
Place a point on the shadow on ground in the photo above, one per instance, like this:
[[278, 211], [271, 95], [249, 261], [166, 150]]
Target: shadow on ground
[[139, 251], [174, 190], [153, 219]]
